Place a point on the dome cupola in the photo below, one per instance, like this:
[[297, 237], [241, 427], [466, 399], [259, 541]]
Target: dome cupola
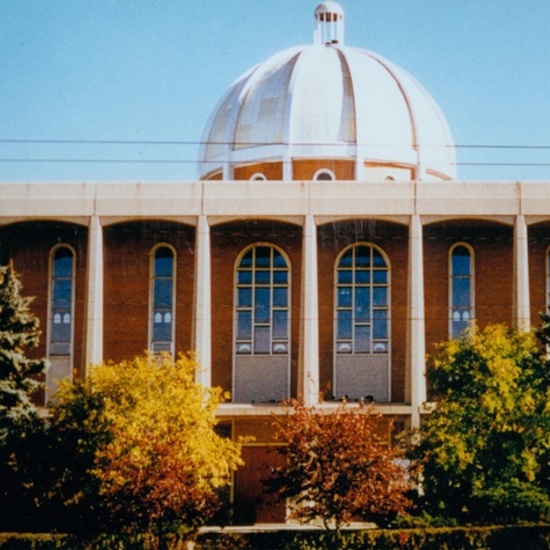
[[327, 111], [329, 24]]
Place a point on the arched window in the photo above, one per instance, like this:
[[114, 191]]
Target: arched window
[[258, 176], [262, 302], [162, 300], [362, 301], [61, 301], [461, 289], [324, 175]]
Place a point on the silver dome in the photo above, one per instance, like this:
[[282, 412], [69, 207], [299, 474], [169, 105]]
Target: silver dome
[[328, 100]]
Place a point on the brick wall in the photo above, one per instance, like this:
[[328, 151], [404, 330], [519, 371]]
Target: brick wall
[[228, 241], [29, 246], [127, 278]]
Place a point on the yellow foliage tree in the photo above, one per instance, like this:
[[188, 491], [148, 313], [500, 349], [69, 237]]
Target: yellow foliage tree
[[159, 462]]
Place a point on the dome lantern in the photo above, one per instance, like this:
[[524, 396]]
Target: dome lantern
[[329, 24]]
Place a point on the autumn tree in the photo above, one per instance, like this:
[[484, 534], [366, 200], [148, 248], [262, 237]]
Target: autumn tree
[[19, 334], [339, 466], [143, 436], [485, 448]]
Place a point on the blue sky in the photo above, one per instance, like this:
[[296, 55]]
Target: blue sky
[[153, 70]]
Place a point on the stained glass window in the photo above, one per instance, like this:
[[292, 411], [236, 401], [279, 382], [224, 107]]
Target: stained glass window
[[262, 302], [162, 314], [62, 296], [362, 301], [461, 289]]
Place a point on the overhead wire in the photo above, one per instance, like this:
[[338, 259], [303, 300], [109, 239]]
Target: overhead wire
[[162, 143], [246, 143]]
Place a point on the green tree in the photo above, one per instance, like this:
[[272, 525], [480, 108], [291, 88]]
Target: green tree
[[144, 439], [19, 333], [19, 421], [484, 450], [339, 466]]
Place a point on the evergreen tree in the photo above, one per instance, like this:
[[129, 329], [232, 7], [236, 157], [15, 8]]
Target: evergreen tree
[[19, 332], [20, 425]]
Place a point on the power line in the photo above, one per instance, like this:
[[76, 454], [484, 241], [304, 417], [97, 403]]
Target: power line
[[101, 142], [248, 143], [183, 161], [100, 161]]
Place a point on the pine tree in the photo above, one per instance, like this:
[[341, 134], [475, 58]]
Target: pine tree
[[20, 424], [19, 332]]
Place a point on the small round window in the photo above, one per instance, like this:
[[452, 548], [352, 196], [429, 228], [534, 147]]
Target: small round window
[[324, 175]]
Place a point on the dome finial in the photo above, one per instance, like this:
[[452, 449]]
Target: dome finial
[[329, 24]]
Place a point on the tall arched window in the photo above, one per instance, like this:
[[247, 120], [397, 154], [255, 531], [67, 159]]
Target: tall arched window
[[262, 302], [61, 301], [162, 300], [461, 289], [362, 301]]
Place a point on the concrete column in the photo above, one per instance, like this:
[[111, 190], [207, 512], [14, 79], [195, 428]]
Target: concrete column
[[522, 306], [287, 165], [94, 294], [416, 337], [308, 367], [228, 170], [202, 315]]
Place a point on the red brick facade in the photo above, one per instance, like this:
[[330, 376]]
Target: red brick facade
[[127, 249], [127, 268]]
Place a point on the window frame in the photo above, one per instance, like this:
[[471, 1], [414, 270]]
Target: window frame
[[253, 286], [51, 285], [151, 314], [451, 278], [368, 323]]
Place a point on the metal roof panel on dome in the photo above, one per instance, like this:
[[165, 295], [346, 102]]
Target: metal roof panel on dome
[[313, 118], [382, 117], [433, 138], [215, 137], [263, 104]]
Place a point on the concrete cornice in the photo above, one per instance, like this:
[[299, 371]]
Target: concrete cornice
[[289, 201]]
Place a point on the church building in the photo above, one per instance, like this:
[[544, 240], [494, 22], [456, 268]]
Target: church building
[[326, 246]]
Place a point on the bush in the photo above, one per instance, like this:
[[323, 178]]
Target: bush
[[535, 537], [504, 503], [475, 538]]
